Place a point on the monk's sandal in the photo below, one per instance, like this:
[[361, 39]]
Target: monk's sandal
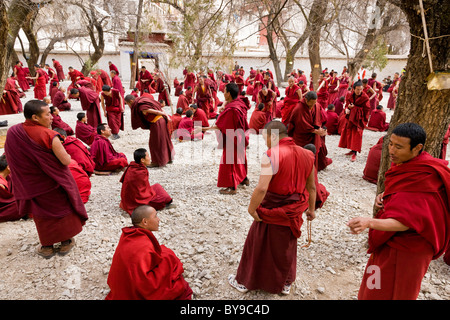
[[239, 287]]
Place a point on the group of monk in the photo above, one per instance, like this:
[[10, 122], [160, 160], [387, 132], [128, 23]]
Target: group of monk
[[53, 189]]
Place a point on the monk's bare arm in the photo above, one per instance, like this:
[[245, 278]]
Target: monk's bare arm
[[261, 189], [359, 224], [311, 188], [60, 152], [157, 112]]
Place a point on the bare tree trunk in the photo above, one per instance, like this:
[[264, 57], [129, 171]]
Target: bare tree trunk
[[134, 66], [428, 108], [32, 41], [317, 18], [4, 31]]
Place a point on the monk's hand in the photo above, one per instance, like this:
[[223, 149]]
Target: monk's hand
[[255, 216], [379, 200], [310, 214], [358, 225], [351, 106]]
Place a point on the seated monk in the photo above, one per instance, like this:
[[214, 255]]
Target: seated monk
[[332, 120], [199, 115], [136, 188], [176, 118], [377, 121], [183, 102], [105, 157], [60, 99], [83, 130], [373, 162], [258, 119], [59, 123], [82, 180], [77, 151], [141, 268], [187, 130], [9, 210]]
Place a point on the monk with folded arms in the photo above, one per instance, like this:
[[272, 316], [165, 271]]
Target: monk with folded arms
[[412, 226], [286, 189], [136, 188], [105, 157], [141, 268], [44, 186]]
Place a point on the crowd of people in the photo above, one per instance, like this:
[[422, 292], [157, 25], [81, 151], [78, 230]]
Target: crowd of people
[[54, 187]]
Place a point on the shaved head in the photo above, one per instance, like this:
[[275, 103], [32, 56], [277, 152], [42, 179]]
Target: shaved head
[[276, 127], [140, 213]]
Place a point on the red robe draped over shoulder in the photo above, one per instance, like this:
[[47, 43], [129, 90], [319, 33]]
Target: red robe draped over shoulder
[[85, 132], [80, 154], [370, 172], [9, 209], [136, 190], [82, 180], [417, 194], [105, 157], [142, 269], [290, 102], [90, 103]]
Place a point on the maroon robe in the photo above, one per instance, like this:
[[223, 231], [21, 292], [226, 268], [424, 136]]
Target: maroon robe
[[352, 133], [90, 102], [183, 103], [10, 102], [114, 114], [21, 77], [59, 123], [257, 121], [190, 80], [162, 92], [269, 257], [290, 102], [82, 180], [85, 132], [343, 87], [200, 116], [160, 145], [40, 88], [105, 77], [233, 165], [332, 122], [105, 157], [377, 121], [59, 101], [9, 209], [269, 102], [322, 94], [146, 75], [257, 85], [80, 154], [185, 130], [333, 94], [142, 269], [137, 191], [44, 187], [443, 154], [59, 70], [372, 166], [113, 67]]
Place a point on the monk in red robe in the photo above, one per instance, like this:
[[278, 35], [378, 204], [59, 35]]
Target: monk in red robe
[[258, 119], [443, 154], [257, 84], [105, 157], [187, 130], [305, 125], [54, 87], [344, 84], [392, 88], [333, 88], [293, 96], [339, 104], [59, 123], [77, 151], [59, 70], [60, 100], [112, 104], [136, 189], [189, 80], [232, 124], [377, 120], [183, 102], [82, 180], [90, 102], [372, 166], [83, 130], [357, 110], [10, 102], [332, 120], [141, 268], [40, 88], [9, 209], [412, 226], [160, 88], [267, 97], [117, 84], [44, 186], [145, 79], [322, 91], [52, 75], [75, 76], [199, 116], [286, 189], [203, 97], [112, 67], [147, 114], [105, 77], [176, 118], [21, 76]]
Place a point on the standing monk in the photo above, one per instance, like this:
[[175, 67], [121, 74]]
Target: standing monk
[[161, 89], [322, 92], [268, 98], [59, 70], [112, 104], [257, 84], [333, 88], [412, 226], [40, 89], [203, 97], [90, 102], [117, 84], [293, 96], [232, 123], [145, 79], [9, 99], [147, 113], [305, 125], [21, 76], [356, 110], [286, 188], [45, 185], [112, 67]]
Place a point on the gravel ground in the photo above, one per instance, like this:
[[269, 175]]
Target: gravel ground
[[207, 230]]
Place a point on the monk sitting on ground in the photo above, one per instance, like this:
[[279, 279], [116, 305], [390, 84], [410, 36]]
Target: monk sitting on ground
[[332, 120], [83, 130], [141, 268], [59, 123], [186, 129], [258, 119], [136, 188], [9, 210], [377, 121], [106, 158], [370, 172]]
